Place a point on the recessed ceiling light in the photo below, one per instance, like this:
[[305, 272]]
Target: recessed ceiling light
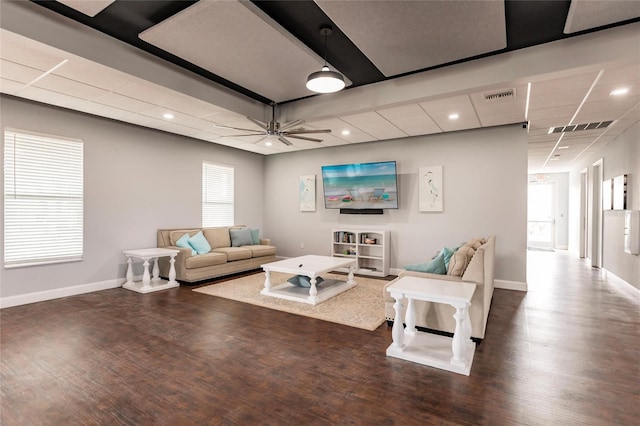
[[168, 115], [346, 132], [268, 143], [554, 159], [619, 92], [453, 116]]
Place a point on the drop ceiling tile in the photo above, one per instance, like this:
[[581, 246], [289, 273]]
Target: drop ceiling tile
[[178, 118], [123, 102], [94, 74], [70, 87], [587, 14], [49, 97], [88, 7], [192, 106], [603, 92], [461, 103], [502, 119], [9, 86], [571, 83], [17, 72], [553, 100], [337, 126], [21, 50], [211, 35], [374, 124], [103, 110], [558, 115], [147, 92], [400, 37]]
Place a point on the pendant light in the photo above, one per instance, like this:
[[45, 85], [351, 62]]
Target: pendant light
[[325, 81]]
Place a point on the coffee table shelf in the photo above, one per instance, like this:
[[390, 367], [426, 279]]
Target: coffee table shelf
[[312, 266]]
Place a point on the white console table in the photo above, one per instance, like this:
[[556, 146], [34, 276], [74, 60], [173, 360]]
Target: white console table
[[455, 354], [149, 284]]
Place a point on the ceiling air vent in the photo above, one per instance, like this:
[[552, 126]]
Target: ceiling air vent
[[500, 95], [578, 127]]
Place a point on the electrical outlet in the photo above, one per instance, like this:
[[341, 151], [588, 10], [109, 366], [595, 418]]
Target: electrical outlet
[[301, 246]]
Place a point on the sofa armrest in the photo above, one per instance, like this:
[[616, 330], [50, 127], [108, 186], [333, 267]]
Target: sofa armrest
[[265, 241]]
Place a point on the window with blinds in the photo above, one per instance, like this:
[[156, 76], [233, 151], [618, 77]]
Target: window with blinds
[[43, 199], [217, 195]]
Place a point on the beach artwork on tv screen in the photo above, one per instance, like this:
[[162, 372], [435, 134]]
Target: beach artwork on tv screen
[[360, 186]]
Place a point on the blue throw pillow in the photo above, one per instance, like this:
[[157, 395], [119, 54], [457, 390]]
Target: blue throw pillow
[[447, 255], [184, 242], [435, 266], [303, 280], [240, 237], [255, 236], [200, 243]]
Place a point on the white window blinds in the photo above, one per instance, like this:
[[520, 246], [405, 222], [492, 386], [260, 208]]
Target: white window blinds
[[217, 195], [43, 199]]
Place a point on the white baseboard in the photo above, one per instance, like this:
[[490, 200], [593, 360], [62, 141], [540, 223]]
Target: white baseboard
[[41, 296], [627, 286], [510, 285]]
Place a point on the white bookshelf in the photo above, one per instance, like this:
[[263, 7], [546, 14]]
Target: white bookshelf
[[370, 248]]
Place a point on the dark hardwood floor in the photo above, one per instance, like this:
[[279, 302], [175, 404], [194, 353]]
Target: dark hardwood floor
[[565, 353]]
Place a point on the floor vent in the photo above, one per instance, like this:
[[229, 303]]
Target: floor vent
[[577, 127], [501, 95]]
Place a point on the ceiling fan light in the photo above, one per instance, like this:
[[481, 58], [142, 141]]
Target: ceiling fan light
[[325, 81]]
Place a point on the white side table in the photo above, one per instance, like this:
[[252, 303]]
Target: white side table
[[455, 354], [149, 284]]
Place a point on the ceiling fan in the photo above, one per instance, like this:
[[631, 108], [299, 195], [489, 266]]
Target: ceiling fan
[[273, 128]]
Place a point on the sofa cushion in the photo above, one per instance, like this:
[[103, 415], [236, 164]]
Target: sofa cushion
[[174, 236], [255, 236], [184, 243], [475, 243], [435, 265], [217, 237], [234, 253], [206, 259], [261, 250], [240, 237], [460, 260], [200, 243]]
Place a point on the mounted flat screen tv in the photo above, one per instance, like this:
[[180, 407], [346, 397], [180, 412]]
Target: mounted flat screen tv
[[360, 187]]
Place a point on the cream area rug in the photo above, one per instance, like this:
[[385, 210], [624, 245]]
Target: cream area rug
[[361, 306]]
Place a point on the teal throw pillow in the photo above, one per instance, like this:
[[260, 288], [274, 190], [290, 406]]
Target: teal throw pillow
[[184, 242], [447, 255], [255, 236], [200, 243], [240, 237], [435, 265], [303, 281]]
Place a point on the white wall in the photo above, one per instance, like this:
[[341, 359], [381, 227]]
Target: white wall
[[621, 156], [136, 180], [485, 192]]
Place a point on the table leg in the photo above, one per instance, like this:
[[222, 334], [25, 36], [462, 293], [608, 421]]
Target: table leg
[[313, 291], [156, 270], [459, 340], [129, 271], [146, 277], [350, 277], [410, 318], [172, 269], [267, 280], [397, 332]]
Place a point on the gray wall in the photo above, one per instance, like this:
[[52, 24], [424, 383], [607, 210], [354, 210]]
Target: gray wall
[[621, 156], [136, 180], [485, 192]]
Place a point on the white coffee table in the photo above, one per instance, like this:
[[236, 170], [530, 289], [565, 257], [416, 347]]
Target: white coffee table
[[312, 266], [149, 284], [443, 352]]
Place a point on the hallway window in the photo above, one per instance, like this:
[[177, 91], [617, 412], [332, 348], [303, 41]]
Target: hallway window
[[43, 199], [217, 195]]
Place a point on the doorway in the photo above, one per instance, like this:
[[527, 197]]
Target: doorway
[[541, 216]]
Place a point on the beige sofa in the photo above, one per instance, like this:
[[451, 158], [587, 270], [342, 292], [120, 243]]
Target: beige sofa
[[223, 259], [438, 316]]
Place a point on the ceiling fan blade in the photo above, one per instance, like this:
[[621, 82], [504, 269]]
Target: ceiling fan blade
[[220, 126], [284, 140], [304, 138], [293, 123], [303, 131], [239, 136], [258, 122]]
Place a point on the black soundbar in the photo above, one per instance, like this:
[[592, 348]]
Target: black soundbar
[[361, 211]]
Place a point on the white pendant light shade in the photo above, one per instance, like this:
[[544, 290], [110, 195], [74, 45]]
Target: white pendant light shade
[[325, 81]]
